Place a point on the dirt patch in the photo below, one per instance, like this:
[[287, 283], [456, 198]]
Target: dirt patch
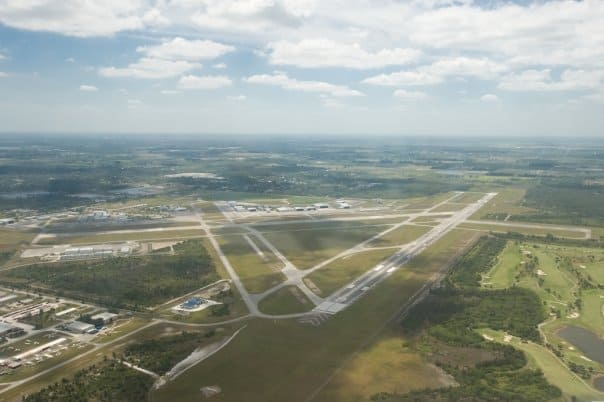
[[460, 356], [298, 295], [311, 285]]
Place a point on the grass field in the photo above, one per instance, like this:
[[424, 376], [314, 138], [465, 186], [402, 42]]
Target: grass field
[[379, 368], [403, 235], [468, 198], [341, 271], [286, 300], [502, 274], [210, 211], [507, 202], [257, 274], [509, 266], [11, 238], [425, 202], [306, 245], [278, 360]]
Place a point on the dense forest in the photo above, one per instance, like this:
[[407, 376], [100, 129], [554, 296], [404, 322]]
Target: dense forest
[[161, 354], [109, 381]]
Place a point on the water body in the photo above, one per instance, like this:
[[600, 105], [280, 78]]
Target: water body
[[599, 383], [589, 343]]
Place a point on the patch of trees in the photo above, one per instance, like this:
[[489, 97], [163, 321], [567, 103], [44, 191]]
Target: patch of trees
[[452, 313], [109, 381], [565, 200], [132, 282], [161, 354]]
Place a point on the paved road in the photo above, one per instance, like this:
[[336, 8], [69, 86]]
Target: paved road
[[349, 293], [245, 296]]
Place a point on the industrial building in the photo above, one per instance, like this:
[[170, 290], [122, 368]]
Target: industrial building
[[106, 317], [79, 327], [7, 330]]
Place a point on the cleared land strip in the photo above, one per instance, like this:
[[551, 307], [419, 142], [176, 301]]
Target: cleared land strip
[[254, 246], [563, 231]]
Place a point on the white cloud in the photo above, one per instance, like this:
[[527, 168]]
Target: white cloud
[[154, 17], [489, 98], [134, 103], [404, 78], [465, 66], [73, 17], [540, 33], [251, 16], [316, 53], [331, 103], [3, 74], [204, 82], [541, 80], [150, 68], [283, 81], [439, 71], [183, 49], [169, 92], [409, 95], [220, 66], [2, 56], [88, 88], [171, 58], [237, 97], [70, 60]]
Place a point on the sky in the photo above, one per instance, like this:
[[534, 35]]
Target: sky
[[362, 67]]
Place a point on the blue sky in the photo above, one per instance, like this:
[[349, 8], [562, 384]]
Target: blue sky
[[302, 67]]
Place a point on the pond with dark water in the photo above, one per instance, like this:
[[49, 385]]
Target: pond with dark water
[[585, 340]]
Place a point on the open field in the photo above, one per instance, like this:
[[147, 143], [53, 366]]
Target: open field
[[286, 300], [313, 353], [387, 365], [258, 274], [10, 238], [425, 202], [333, 276], [467, 198], [400, 236], [507, 202], [306, 245]]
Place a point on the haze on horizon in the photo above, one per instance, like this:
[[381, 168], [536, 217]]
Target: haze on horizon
[[443, 67]]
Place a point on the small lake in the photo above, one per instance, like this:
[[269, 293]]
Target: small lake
[[586, 341], [599, 383]]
